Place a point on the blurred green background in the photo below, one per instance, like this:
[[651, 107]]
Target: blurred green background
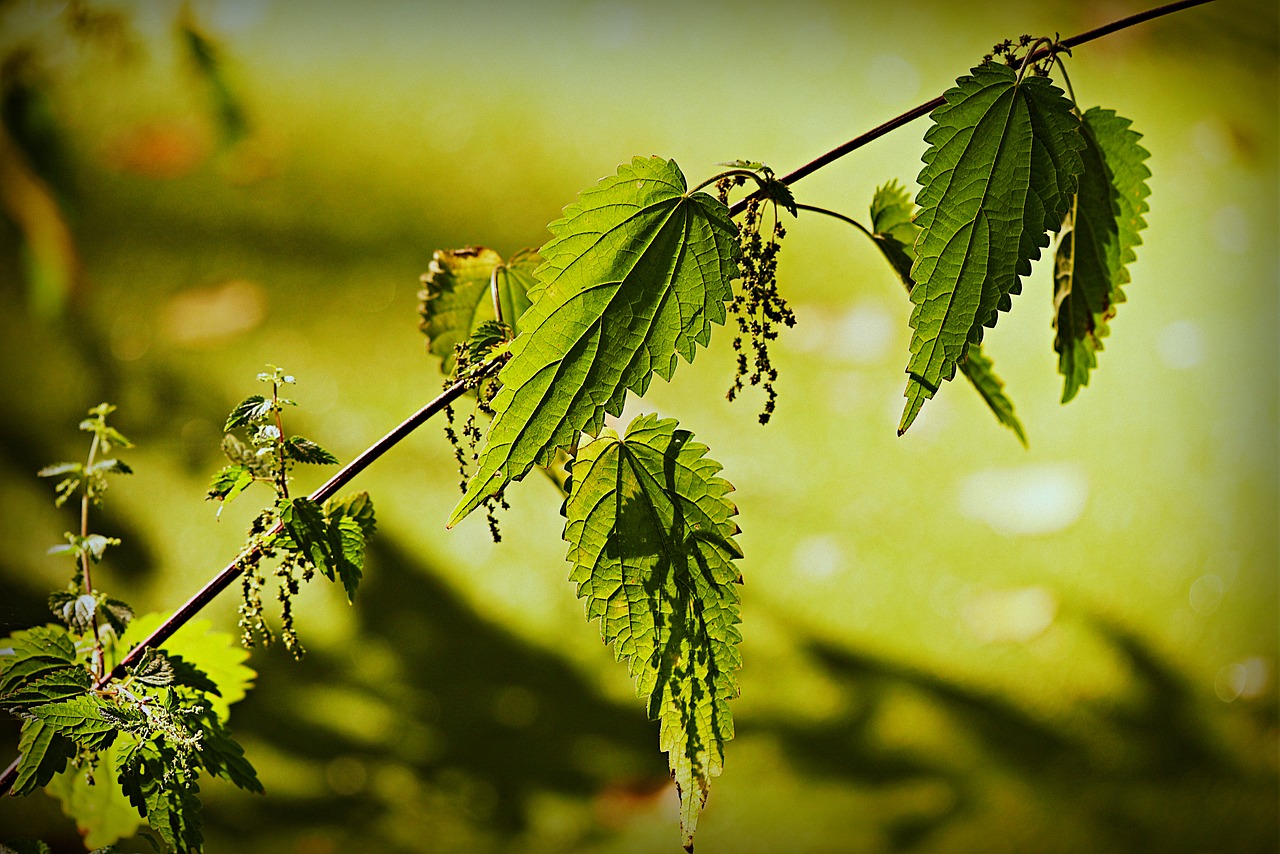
[[951, 643]]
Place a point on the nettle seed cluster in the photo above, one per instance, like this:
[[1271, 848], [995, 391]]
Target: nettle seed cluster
[[757, 307], [470, 367]]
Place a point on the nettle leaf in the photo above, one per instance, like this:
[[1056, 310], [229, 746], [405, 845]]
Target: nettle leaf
[[253, 408], [44, 753], [38, 656], [216, 655], [1099, 237], [650, 536], [307, 451], [76, 610], [78, 719], [1000, 171], [334, 545], [117, 613], [895, 233], [101, 811], [153, 669], [457, 295], [636, 272], [229, 482], [168, 800], [223, 757], [49, 686]]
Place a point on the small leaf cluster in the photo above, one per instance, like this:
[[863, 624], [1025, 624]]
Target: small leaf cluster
[[302, 535]]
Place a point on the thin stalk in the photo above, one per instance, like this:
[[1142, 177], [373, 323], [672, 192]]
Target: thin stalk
[[85, 562], [282, 471], [929, 106], [835, 215]]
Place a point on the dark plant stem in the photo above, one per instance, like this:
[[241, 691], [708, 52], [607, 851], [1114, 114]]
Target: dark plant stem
[[360, 463], [85, 563], [929, 106]]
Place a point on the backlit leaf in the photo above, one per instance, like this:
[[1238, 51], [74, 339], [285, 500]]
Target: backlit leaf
[[457, 295], [1098, 241], [101, 811], [650, 536], [636, 273], [895, 233], [1000, 172]]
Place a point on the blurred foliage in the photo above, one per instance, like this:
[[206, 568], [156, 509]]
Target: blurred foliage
[[1077, 651]]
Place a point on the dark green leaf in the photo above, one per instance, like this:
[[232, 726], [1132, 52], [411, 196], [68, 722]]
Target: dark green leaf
[[117, 613], [307, 451], [252, 408], [1000, 172], [76, 610], [335, 546], [169, 801], [44, 753], [206, 56], [78, 719], [187, 674], [636, 273], [153, 669], [24, 846], [650, 535], [358, 506], [1098, 242], [51, 685], [111, 466], [892, 213], [223, 757]]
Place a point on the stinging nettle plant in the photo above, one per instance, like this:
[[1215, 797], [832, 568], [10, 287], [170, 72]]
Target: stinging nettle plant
[[549, 344]]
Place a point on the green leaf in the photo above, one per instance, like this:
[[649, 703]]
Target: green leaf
[[111, 467], [44, 753], [1098, 242], [49, 686], [223, 757], [637, 271], [168, 799], [153, 669], [650, 536], [1000, 172], [78, 720], [229, 482], [252, 408], [335, 546], [100, 810], [117, 613], [895, 233], [356, 505], [307, 451], [457, 295], [978, 370], [517, 285], [217, 655]]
